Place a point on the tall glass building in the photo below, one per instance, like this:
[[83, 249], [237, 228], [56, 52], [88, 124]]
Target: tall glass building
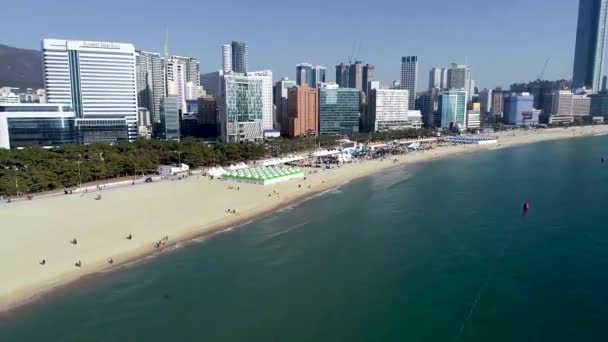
[[242, 108], [453, 108], [150, 82], [96, 78], [409, 78], [338, 110], [169, 118], [590, 47], [304, 74], [239, 57]]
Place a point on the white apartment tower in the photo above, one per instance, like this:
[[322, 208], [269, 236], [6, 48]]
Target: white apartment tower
[[409, 75], [150, 82], [268, 106], [97, 78], [226, 58]]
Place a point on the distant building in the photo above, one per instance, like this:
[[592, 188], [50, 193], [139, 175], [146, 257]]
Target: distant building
[[281, 89], [539, 89], [453, 108], [355, 76], [435, 78], [342, 73], [144, 123], [409, 78], [388, 110], [226, 58], [599, 105], [474, 116], [428, 105], [169, 119], [519, 110], [590, 47], [239, 57], [318, 76], [304, 74], [211, 82], [367, 76], [498, 96], [241, 108], [208, 117], [459, 77], [485, 100], [581, 106], [303, 111], [338, 110], [183, 79], [558, 107], [7, 95], [267, 110], [150, 82]]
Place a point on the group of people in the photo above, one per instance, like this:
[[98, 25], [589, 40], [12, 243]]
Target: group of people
[[78, 264], [231, 211], [161, 242]]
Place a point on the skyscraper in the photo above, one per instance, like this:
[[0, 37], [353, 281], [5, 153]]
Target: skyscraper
[[338, 110], [368, 76], [591, 35], [226, 58], [150, 82], [387, 109], [342, 75], [303, 117], [485, 99], [267, 105], [281, 90], [304, 74], [169, 118], [239, 57], [355, 76], [99, 80], [453, 108], [318, 76], [176, 82], [435, 78], [241, 108], [409, 76]]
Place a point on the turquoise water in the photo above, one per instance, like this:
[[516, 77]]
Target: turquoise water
[[439, 252]]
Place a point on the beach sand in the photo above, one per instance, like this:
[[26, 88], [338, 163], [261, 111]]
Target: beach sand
[[180, 209]]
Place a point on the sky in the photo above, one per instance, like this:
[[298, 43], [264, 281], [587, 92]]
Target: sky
[[503, 41]]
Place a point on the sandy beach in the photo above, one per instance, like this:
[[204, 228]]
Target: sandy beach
[[180, 210]]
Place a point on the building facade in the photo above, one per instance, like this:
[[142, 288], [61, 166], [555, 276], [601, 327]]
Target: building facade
[[303, 111], [150, 82], [226, 58], [453, 108], [409, 78], [318, 76], [459, 77], [591, 35], [281, 91], [519, 110], [338, 110], [342, 74], [599, 105], [304, 74], [239, 57], [387, 110], [355, 76], [169, 118], [98, 79], [267, 103], [241, 108], [367, 76], [435, 78], [485, 104]]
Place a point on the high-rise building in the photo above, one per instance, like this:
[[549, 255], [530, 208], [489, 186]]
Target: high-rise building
[[281, 91], [539, 89], [519, 109], [485, 100], [498, 96], [241, 108], [453, 108], [355, 76], [150, 82], [169, 118], [267, 103], [591, 35], [338, 109], [239, 57], [409, 78], [581, 106], [474, 116], [444, 78], [303, 111], [459, 77], [98, 79], [388, 110], [599, 104], [428, 105], [211, 82], [368, 76], [435, 80], [176, 82], [342, 74], [192, 69], [318, 76], [304, 74], [226, 58]]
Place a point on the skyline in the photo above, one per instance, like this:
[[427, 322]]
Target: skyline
[[488, 38]]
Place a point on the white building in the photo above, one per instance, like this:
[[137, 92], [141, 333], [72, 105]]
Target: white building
[[241, 107], [459, 77], [268, 106], [388, 110], [172, 170], [97, 79], [226, 58], [8, 96], [435, 78], [150, 82], [183, 79]]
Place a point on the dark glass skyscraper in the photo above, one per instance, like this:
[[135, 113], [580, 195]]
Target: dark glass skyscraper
[[590, 44], [342, 74], [239, 57], [304, 74]]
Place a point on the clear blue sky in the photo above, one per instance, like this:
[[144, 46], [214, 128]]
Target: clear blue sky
[[505, 41]]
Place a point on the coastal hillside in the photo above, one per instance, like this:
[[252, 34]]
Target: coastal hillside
[[20, 68]]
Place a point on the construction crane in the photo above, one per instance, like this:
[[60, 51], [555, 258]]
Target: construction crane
[[542, 72]]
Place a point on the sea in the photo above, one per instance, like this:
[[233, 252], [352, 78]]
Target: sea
[[440, 251]]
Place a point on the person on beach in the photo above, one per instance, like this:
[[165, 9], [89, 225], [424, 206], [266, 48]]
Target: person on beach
[[78, 263], [43, 262], [110, 261], [129, 237], [74, 241]]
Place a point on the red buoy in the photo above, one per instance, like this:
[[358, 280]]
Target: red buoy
[[526, 206]]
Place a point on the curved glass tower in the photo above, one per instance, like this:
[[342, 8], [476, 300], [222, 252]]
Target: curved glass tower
[[590, 44]]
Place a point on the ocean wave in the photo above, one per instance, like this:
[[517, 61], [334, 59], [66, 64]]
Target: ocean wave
[[296, 226]]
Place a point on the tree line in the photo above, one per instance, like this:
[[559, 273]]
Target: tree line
[[37, 169]]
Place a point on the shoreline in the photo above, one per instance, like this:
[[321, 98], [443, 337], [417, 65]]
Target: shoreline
[[38, 286]]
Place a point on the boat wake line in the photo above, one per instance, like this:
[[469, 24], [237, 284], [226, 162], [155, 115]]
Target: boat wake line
[[483, 287]]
